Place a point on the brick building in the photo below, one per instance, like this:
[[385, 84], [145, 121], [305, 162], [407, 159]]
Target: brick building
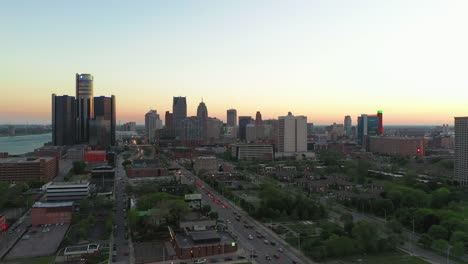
[[397, 146], [51, 213], [207, 164], [20, 169]]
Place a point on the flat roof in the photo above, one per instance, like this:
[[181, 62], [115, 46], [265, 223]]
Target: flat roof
[[186, 241], [24, 159], [68, 184], [52, 204]]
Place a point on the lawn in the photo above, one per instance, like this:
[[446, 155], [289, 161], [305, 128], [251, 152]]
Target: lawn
[[386, 258], [38, 260], [308, 229]]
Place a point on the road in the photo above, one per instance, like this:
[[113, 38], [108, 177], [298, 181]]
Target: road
[[255, 244], [120, 241], [9, 238]]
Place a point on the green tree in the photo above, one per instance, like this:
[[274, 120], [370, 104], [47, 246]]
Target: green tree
[[458, 249], [425, 240], [79, 167], [440, 245], [132, 218], [213, 215], [394, 226], [366, 236], [206, 209], [340, 246], [438, 232], [440, 198], [126, 162], [458, 236]]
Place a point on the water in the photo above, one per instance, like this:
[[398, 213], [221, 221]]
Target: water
[[23, 144]]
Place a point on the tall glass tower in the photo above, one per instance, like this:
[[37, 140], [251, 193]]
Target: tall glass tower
[[85, 105]]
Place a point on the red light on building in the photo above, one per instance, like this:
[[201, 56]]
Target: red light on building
[[418, 150], [4, 227]]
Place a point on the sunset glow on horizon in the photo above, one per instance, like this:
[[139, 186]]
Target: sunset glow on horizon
[[321, 59]]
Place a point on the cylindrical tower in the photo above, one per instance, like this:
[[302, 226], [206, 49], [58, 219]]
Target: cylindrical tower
[[85, 105]]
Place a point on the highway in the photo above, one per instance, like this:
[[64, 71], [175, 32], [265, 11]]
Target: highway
[[278, 253]]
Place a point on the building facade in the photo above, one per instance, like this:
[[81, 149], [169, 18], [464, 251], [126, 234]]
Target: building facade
[[104, 114], [348, 124], [231, 117], [397, 146], [179, 111], [292, 134], [66, 191], [152, 123], [243, 122], [63, 120], [22, 169], [202, 115], [85, 105], [206, 164], [461, 151], [252, 151], [51, 213]]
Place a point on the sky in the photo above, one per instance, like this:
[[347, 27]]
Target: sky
[[322, 59]]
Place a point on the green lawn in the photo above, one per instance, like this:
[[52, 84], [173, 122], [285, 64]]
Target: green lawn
[[386, 258], [302, 228], [38, 260]]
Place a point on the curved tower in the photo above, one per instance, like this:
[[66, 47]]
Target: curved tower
[[202, 115], [85, 105]]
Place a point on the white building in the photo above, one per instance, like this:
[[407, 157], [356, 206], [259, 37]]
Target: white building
[[461, 151], [252, 151], [66, 191], [292, 134]]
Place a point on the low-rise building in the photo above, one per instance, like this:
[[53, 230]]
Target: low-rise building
[[103, 178], [146, 168], [21, 169], [207, 164], [397, 146], [51, 213], [252, 151], [67, 191]]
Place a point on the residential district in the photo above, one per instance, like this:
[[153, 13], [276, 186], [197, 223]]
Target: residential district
[[198, 190]]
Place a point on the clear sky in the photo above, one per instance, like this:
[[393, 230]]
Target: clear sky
[[323, 59]]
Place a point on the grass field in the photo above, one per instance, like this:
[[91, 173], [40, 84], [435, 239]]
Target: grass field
[[299, 227], [38, 260], [386, 258]]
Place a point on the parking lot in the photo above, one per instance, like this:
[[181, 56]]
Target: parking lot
[[38, 241]]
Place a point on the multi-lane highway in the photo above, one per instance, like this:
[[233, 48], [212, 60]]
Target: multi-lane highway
[[252, 236]]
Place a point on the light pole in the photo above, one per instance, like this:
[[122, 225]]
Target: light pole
[[448, 253]]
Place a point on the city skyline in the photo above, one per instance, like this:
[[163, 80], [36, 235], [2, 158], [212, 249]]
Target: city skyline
[[323, 60]]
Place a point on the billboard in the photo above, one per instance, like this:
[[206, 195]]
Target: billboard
[[193, 196]]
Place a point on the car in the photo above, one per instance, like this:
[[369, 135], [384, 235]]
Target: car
[[114, 253], [273, 243], [228, 258], [253, 255], [280, 249], [126, 253], [266, 241], [267, 257], [276, 256], [250, 237], [241, 257], [200, 261], [295, 262]]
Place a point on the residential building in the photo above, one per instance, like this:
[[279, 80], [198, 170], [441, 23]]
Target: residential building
[[252, 151], [232, 117], [292, 134], [461, 151], [85, 105], [152, 123], [66, 191], [22, 169], [63, 120], [179, 111], [146, 168], [130, 126], [51, 213]]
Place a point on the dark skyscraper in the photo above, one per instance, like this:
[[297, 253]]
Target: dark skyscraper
[[202, 115], [104, 108], [63, 120], [243, 122], [168, 120], [380, 116], [232, 117], [348, 125], [258, 119], [179, 111], [85, 105]]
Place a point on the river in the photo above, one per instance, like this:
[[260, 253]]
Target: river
[[23, 144]]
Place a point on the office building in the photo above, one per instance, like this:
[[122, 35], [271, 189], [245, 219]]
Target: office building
[[51, 213], [250, 133], [348, 124], [368, 125], [397, 146], [168, 119], [461, 151], [85, 105], [206, 164], [63, 120], [252, 151], [152, 123], [380, 116], [258, 119], [292, 134], [104, 109], [215, 128], [130, 126], [179, 111], [232, 117], [202, 115], [23, 169], [243, 122], [67, 191], [191, 129], [99, 133]]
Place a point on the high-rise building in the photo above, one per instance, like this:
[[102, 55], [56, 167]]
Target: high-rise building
[[85, 105], [130, 126], [152, 123], [168, 119], [179, 111], [292, 134], [202, 115], [63, 120], [191, 129], [368, 125], [258, 119], [232, 117], [243, 122], [348, 124], [461, 151], [215, 128], [380, 116], [104, 109]]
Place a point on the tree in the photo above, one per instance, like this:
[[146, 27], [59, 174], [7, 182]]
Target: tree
[[438, 232], [340, 246], [459, 236], [458, 249], [205, 209], [394, 226], [79, 167], [366, 236], [425, 240], [213, 215], [440, 245], [440, 198], [126, 162]]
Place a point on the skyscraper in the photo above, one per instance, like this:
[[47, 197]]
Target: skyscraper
[[104, 108], [461, 151], [179, 111], [258, 119], [380, 116], [292, 134], [243, 122], [63, 120], [368, 125], [168, 119], [348, 124], [202, 115], [85, 105], [232, 117], [152, 123]]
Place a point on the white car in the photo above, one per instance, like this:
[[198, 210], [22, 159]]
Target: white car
[[199, 261], [251, 237]]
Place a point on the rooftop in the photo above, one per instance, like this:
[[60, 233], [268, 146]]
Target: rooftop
[[24, 159], [52, 205], [188, 241], [68, 184]]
